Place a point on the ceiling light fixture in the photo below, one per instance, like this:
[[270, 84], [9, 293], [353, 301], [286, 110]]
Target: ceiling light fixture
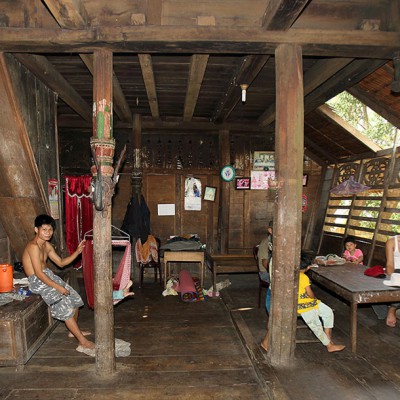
[[244, 87]]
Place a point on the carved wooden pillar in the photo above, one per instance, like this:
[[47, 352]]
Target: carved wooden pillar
[[289, 152], [103, 145]]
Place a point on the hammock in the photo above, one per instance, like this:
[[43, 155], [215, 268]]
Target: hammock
[[122, 276]]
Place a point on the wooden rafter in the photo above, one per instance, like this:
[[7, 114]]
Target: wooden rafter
[[45, 71], [281, 14], [148, 76], [247, 71], [366, 98], [69, 14], [326, 111], [251, 65], [316, 149], [72, 14], [221, 40], [120, 105], [313, 78], [198, 66], [345, 78]]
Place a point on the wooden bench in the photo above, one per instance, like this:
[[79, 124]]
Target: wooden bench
[[228, 264]]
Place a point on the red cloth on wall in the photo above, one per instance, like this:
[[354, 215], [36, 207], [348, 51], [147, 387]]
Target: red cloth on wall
[[78, 210]]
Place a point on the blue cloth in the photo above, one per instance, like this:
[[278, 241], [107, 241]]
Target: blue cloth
[[268, 300]]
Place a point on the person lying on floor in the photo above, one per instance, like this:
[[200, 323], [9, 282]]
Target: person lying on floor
[[311, 310], [63, 300]]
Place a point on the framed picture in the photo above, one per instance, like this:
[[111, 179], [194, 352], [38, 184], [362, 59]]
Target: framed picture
[[209, 193], [305, 179], [260, 179], [264, 161], [242, 183]]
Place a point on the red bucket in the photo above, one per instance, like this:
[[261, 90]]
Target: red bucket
[[6, 278]]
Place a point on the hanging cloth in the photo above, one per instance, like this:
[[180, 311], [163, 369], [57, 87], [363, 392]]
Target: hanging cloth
[[121, 277], [148, 251], [137, 219], [349, 187], [78, 211]]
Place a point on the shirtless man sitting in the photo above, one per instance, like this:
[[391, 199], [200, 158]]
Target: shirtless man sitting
[[62, 299]]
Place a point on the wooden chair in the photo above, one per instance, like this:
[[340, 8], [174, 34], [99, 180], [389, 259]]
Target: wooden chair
[[261, 284], [156, 265]]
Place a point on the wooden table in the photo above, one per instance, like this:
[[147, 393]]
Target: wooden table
[[349, 282], [183, 256]]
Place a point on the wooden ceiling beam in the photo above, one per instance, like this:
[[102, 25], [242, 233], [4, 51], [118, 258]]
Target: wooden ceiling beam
[[314, 77], [45, 71], [149, 81], [327, 112], [366, 98], [247, 71], [120, 104], [70, 121], [318, 150], [280, 15], [69, 14], [200, 39], [198, 66], [344, 79]]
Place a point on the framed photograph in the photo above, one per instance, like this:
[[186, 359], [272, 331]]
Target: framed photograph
[[264, 161], [305, 179], [209, 193], [242, 183]]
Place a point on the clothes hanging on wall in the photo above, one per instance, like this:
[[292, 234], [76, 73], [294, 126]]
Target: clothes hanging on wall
[[78, 210], [137, 218]]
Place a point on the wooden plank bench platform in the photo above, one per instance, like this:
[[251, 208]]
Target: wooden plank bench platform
[[233, 263]]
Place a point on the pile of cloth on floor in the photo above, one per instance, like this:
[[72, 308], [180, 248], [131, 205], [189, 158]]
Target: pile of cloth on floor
[[122, 349], [189, 288]]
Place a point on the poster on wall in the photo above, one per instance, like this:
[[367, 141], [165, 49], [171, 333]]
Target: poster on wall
[[259, 179], [192, 194], [53, 191], [264, 161]]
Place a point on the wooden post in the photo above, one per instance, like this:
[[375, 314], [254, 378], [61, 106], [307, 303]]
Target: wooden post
[[137, 173], [224, 203], [104, 145], [289, 152]]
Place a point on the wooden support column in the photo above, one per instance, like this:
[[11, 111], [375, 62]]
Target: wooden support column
[[224, 200], [289, 152], [104, 145], [137, 173]]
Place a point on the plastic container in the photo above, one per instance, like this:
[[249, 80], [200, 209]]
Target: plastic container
[[6, 278]]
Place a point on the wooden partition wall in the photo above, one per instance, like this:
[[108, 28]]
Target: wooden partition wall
[[371, 216]]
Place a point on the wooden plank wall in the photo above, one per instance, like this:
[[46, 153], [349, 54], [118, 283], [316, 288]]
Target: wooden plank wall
[[28, 157], [249, 210]]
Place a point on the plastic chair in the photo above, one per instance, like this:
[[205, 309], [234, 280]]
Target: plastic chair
[[156, 265], [261, 284]]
